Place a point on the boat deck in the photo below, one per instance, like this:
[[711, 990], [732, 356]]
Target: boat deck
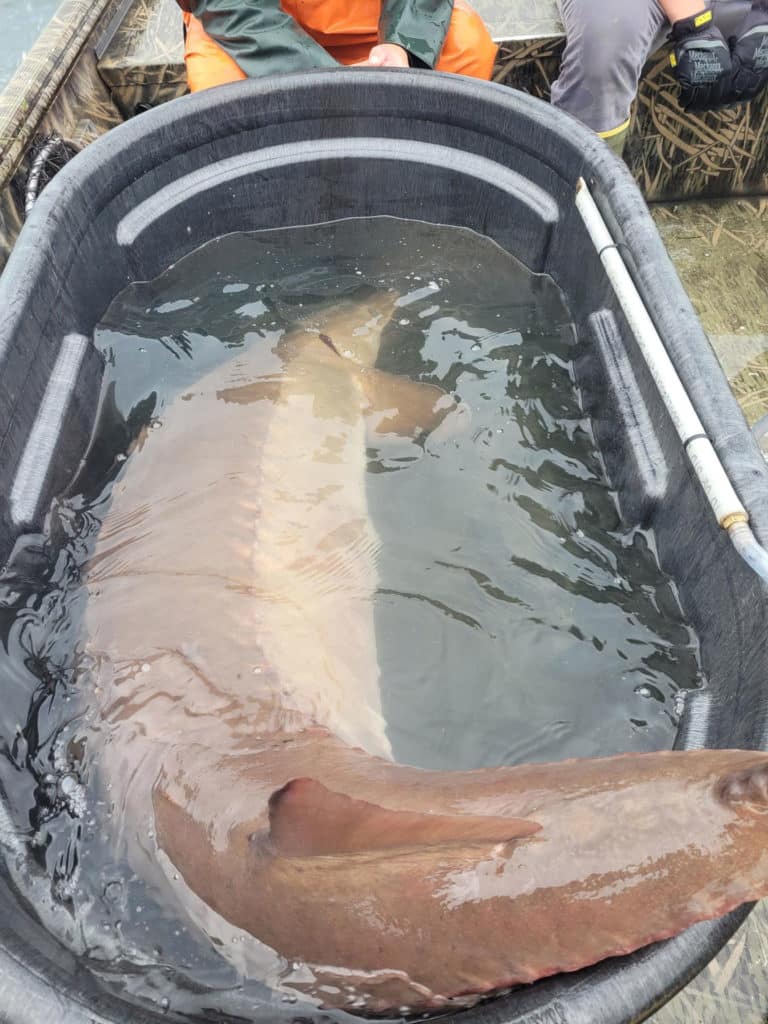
[[720, 250]]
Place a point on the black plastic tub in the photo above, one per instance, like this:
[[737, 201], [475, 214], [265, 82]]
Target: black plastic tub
[[320, 146]]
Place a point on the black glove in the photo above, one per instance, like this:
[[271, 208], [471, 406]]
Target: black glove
[[749, 52], [702, 63]]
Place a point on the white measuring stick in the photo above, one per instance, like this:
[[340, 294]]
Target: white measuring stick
[[706, 464]]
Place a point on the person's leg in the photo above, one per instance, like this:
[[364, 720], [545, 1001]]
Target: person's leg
[[349, 30], [607, 43], [468, 47], [207, 63]]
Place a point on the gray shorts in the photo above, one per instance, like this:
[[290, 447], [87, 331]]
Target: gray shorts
[[607, 44]]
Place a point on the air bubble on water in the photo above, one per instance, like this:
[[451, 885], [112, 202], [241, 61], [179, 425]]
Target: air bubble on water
[[404, 322], [73, 795], [499, 430], [289, 998], [257, 670], [476, 347], [643, 691], [121, 457], [146, 667], [165, 1003]]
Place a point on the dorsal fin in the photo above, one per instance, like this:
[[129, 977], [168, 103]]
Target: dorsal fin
[[747, 787], [308, 820]]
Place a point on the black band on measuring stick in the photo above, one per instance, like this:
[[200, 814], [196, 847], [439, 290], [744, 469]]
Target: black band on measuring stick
[[695, 437], [600, 252]]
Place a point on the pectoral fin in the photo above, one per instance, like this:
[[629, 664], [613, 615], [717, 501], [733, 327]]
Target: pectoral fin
[[408, 408], [308, 820]]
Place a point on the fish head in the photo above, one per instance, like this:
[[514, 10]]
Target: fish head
[[350, 326], [354, 326]]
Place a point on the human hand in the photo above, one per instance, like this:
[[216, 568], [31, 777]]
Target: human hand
[[749, 52], [386, 55], [701, 62]]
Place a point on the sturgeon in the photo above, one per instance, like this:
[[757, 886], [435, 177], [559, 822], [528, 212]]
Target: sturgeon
[[231, 616]]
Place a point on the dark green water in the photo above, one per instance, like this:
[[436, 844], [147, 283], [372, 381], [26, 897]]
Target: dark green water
[[517, 617]]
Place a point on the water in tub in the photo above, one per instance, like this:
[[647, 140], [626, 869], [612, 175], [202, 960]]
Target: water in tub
[[517, 617]]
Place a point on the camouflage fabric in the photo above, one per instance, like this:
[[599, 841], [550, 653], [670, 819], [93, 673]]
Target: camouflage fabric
[[142, 60]]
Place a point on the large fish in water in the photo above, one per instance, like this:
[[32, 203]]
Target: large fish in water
[[231, 616]]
